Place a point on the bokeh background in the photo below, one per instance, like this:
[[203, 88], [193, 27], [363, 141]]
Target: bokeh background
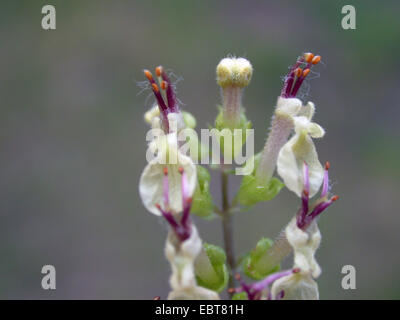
[[73, 139]]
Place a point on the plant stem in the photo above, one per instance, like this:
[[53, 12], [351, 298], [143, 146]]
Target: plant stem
[[227, 229]]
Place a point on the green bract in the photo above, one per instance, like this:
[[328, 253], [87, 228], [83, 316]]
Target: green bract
[[210, 267], [256, 264], [252, 190], [202, 204], [227, 130]]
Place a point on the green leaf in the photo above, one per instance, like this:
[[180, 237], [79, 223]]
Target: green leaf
[[210, 268], [255, 264]]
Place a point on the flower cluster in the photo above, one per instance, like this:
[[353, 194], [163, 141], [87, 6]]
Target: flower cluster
[[173, 186]]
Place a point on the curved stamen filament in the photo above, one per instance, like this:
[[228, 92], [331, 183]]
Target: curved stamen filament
[[182, 227], [254, 290], [325, 185], [303, 217]]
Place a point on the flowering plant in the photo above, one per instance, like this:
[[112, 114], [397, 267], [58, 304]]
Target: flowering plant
[[174, 185]]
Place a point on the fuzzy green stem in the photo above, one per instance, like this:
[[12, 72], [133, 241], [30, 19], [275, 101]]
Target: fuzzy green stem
[[232, 100]]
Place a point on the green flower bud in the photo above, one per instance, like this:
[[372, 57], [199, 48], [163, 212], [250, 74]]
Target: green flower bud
[[210, 268], [256, 264], [202, 203], [234, 72]]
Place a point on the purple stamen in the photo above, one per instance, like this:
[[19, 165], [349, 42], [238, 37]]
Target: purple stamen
[[321, 207], [303, 218], [170, 218], [172, 103], [181, 228], [296, 75], [181, 232], [168, 106], [299, 81], [254, 290], [261, 285], [287, 86], [304, 197]]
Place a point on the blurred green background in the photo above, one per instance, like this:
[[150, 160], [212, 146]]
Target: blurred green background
[[73, 139]]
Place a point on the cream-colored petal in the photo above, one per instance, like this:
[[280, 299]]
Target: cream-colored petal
[[304, 244], [307, 111], [302, 123], [151, 184], [290, 106], [297, 286], [288, 169], [181, 256], [315, 130], [149, 116], [193, 293], [298, 150], [300, 285]]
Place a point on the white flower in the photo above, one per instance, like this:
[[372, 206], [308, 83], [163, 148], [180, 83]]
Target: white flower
[[169, 159], [282, 124], [300, 285], [297, 286], [304, 244], [181, 256], [300, 149], [287, 108]]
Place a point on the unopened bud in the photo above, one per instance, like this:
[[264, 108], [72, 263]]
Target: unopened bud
[[234, 72]]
